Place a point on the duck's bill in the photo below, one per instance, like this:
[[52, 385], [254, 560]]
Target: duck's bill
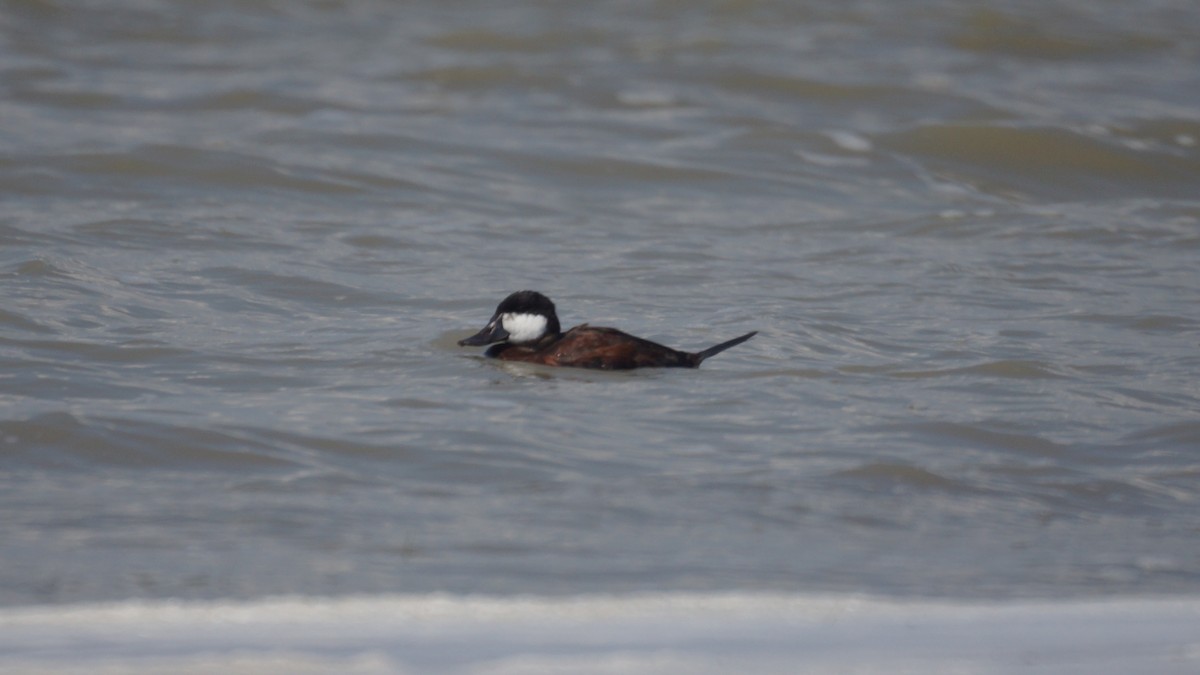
[[493, 332]]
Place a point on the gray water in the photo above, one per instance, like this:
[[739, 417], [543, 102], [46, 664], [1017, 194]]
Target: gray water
[[239, 240]]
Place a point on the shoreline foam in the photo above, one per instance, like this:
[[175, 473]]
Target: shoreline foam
[[653, 633]]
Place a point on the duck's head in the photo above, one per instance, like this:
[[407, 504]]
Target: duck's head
[[522, 318]]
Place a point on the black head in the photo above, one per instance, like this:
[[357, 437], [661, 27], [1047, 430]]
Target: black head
[[521, 318]]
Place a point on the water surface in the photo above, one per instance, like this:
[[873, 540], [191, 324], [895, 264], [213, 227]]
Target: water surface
[[238, 243]]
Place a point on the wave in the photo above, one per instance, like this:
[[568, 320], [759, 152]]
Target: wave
[[653, 633]]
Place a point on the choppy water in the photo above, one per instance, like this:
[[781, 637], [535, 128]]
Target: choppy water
[[238, 241]]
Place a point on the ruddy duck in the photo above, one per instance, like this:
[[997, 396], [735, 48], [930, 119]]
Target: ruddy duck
[[527, 329]]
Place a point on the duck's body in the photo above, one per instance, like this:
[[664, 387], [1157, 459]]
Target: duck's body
[[527, 329]]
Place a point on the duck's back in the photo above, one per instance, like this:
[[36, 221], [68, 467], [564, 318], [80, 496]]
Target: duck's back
[[601, 348]]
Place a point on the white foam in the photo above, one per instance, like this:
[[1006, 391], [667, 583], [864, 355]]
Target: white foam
[[848, 140], [668, 633]]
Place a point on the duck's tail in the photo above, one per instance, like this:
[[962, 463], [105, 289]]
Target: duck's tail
[[699, 357]]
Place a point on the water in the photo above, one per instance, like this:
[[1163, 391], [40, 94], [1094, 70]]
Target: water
[[239, 240], [652, 633]]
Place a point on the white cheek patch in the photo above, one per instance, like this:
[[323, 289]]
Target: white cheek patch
[[523, 327]]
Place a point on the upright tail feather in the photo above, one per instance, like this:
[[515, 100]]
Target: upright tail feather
[[699, 357]]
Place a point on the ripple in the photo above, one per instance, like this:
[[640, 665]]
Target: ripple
[[955, 434], [1046, 161], [21, 322], [293, 287], [144, 169], [888, 475], [996, 32], [1016, 369], [64, 441]]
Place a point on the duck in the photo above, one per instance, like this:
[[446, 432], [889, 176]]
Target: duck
[[525, 328]]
